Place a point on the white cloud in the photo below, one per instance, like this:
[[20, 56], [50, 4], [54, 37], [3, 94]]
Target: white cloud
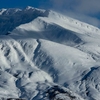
[[82, 6], [88, 6]]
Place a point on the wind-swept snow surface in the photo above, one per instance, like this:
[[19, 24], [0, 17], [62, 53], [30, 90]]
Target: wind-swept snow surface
[[19, 71], [51, 57]]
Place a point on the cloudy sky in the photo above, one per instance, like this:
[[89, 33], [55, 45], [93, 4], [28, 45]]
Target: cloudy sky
[[85, 10]]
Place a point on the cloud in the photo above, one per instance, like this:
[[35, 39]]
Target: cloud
[[62, 4], [88, 6], [81, 6]]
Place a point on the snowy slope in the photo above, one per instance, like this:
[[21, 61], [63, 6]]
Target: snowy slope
[[19, 73], [50, 57]]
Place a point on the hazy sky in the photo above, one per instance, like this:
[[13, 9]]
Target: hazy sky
[[85, 10]]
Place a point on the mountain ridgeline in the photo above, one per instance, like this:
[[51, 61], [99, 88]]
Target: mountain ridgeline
[[13, 17]]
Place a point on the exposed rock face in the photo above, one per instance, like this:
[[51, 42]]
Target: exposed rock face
[[59, 93]]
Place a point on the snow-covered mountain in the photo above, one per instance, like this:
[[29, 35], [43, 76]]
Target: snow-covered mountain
[[45, 55], [13, 17]]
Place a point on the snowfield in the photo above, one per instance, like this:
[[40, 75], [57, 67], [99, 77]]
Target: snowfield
[[48, 56]]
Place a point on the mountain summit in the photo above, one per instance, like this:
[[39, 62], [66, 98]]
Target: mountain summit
[[45, 55]]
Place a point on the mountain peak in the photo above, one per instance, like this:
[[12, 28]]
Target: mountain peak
[[33, 8], [29, 7], [2, 11]]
